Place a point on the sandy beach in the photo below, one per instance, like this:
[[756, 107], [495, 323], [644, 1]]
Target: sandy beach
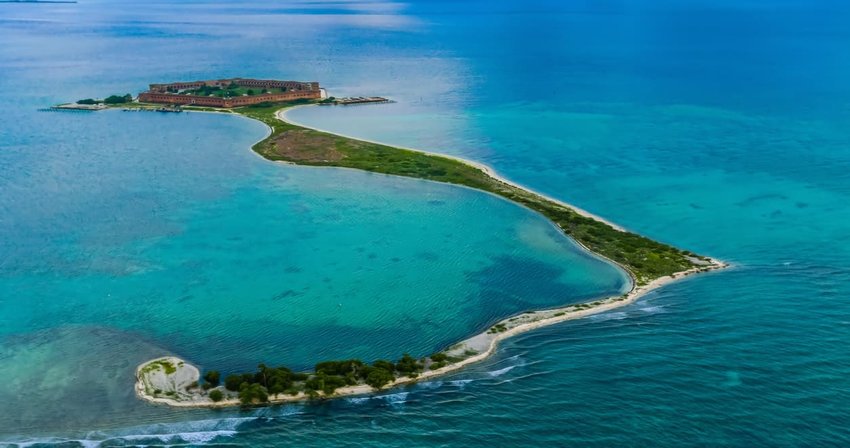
[[281, 114], [483, 344], [471, 350]]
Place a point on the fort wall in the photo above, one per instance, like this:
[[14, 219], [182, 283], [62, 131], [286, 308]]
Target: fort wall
[[167, 93]]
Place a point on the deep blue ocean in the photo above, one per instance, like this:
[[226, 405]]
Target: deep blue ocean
[[722, 127]]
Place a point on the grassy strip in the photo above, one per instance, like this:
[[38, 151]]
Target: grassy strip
[[644, 258]]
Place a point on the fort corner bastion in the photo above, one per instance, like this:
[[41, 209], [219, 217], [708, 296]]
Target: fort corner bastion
[[233, 92]]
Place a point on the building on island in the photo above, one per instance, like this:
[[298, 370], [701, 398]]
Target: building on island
[[232, 92]]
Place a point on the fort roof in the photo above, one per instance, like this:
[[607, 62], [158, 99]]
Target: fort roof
[[242, 82]]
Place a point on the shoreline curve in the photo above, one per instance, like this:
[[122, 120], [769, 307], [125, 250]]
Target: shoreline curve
[[483, 344], [475, 348], [487, 169]]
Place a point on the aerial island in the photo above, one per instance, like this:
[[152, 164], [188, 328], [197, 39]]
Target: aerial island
[[173, 381]]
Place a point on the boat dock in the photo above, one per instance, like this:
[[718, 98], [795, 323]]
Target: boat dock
[[357, 100], [149, 109], [74, 107]]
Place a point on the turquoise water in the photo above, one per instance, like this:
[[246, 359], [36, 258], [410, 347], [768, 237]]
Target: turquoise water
[[720, 127], [192, 242], [230, 259]]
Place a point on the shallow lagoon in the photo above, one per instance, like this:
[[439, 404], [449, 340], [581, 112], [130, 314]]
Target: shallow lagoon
[[172, 231], [720, 127]]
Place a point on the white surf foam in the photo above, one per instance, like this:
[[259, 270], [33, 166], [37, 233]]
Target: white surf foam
[[430, 384], [501, 372], [653, 309], [395, 399], [619, 315]]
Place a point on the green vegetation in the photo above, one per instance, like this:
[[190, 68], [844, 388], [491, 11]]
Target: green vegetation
[[167, 366], [341, 368], [216, 395], [384, 364], [438, 361], [642, 257], [212, 378], [498, 328], [253, 393], [232, 382], [321, 381], [112, 99], [230, 91], [438, 357], [116, 99], [328, 376], [379, 378], [408, 366]]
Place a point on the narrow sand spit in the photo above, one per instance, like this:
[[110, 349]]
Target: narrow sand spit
[[472, 350], [281, 115], [173, 381]]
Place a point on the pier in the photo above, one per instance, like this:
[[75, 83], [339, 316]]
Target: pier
[[151, 109], [75, 107], [356, 100]]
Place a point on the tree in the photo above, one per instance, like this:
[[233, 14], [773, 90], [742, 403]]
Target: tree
[[253, 393], [262, 375], [212, 377], [117, 99], [325, 383], [384, 364], [87, 101], [250, 92], [340, 367], [408, 365], [232, 382], [438, 357], [378, 378], [276, 379], [216, 395], [277, 389], [332, 383]]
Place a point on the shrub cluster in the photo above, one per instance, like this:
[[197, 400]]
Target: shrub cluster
[[112, 99], [328, 376]]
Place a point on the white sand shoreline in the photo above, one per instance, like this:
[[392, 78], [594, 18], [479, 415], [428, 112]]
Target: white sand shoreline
[[281, 114], [483, 344], [473, 349]]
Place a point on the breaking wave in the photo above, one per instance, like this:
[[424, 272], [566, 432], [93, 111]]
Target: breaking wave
[[198, 432]]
